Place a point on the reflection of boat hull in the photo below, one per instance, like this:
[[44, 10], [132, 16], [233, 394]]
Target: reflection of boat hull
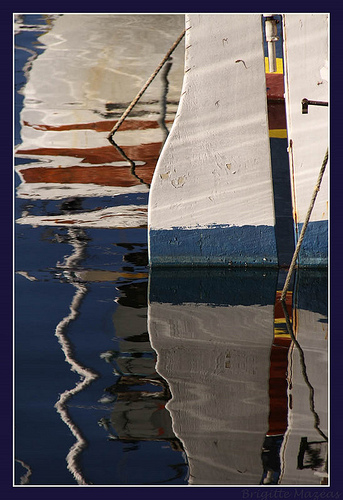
[[63, 149], [305, 449], [92, 168], [240, 397], [215, 357]]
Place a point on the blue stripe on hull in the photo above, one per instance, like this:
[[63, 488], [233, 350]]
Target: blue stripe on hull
[[314, 248], [214, 246], [284, 224]]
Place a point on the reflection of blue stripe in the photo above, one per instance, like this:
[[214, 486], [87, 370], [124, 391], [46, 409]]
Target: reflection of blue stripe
[[216, 245], [216, 286], [311, 291], [314, 248]]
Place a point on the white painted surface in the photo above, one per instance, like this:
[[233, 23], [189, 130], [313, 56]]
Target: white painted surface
[[215, 166], [216, 362], [306, 76]]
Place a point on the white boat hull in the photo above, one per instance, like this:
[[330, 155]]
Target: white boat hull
[[306, 70], [211, 199]]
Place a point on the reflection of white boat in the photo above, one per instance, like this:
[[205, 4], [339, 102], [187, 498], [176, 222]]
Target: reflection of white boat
[[236, 401], [215, 358], [71, 103], [212, 199], [119, 217], [307, 435]]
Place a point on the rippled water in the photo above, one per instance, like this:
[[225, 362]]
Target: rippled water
[[125, 376]]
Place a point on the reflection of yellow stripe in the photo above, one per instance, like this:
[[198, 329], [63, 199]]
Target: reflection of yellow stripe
[[279, 65], [280, 328], [280, 133], [281, 335]]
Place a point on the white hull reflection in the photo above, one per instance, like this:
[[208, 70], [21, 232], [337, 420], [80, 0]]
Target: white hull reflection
[[41, 191], [215, 335], [215, 357], [89, 69], [116, 217], [307, 434]]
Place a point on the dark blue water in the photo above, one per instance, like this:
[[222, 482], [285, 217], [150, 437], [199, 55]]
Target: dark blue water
[[42, 438]]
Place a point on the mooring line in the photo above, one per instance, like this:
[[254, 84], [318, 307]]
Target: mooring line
[[86, 374], [132, 163], [304, 371], [303, 230], [162, 119], [145, 86]]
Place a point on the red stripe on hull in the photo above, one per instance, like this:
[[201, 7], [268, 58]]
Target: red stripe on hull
[[275, 86]]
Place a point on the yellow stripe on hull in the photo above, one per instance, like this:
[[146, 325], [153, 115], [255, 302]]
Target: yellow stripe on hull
[[279, 65], [278, 133]]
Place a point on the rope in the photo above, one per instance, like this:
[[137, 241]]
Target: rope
[[162, 118], [132, 163], [303, 230], [304, 371], [145, 86]]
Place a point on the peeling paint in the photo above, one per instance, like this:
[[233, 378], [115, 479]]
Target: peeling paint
[[179, 182], [165, 176]]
